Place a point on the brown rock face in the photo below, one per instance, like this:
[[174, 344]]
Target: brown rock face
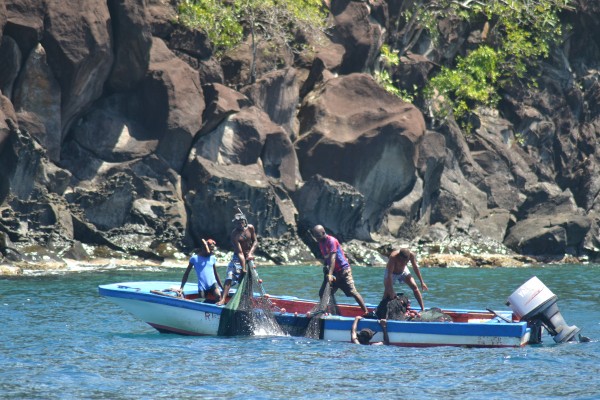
[[132, 42], [37, 91], [6, 112], [217, 190], [250, 137], [10, 64], [336, 205], [277, 94], [79, 48], [360, 36], [170, 104], [120, 127], [353, 131], [2, 17]]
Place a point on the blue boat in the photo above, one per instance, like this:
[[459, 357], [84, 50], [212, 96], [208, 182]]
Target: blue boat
[[533, 308]]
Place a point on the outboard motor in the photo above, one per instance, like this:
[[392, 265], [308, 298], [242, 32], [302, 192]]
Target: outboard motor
[[534, 302]]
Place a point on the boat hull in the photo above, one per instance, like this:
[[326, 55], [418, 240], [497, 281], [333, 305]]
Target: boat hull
[[428, 334], [167, 314], [151, 303]]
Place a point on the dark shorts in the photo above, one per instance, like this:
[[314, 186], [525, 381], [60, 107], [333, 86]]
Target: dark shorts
[[211, 289], [343, 281]]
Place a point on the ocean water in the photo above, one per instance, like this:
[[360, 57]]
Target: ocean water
[[61, 340]]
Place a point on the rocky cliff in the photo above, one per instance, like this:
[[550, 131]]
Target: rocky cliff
[[120, 130]]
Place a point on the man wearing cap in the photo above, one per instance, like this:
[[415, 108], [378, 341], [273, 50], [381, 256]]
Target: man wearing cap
[[205, 264], [244, 242]]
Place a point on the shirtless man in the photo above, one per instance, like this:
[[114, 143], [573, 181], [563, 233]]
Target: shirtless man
[[243, 239], [397, 270]]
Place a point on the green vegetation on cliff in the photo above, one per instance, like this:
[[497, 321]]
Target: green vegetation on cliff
[[219, 21], [515, 37], [289, 23]]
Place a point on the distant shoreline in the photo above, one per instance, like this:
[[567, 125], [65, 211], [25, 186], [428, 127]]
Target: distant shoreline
[[47, 266]]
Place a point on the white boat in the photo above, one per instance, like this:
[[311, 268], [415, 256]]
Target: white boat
[[533, 308]]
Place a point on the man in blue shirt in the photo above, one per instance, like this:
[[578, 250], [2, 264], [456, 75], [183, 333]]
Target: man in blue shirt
[[205, 264]]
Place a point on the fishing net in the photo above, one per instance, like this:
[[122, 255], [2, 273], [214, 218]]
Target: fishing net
[[434, 314], [399, 309], [249, 313], [394, 309], [327, 306]]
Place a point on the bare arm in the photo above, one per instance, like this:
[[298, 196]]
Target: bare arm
[[185, 277], [331, 257], [254, 242], [353, 336], [386, 338], [413, 261]]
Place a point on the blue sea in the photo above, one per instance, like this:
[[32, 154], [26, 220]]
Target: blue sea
[[61, 340]]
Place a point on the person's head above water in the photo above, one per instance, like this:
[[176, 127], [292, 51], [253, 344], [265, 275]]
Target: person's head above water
[[365, 335]]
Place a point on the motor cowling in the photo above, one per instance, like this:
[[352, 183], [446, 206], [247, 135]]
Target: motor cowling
[[534, 302]]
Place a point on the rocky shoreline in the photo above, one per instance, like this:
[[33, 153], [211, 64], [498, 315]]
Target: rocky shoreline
[[38, 260], [124, 136]]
